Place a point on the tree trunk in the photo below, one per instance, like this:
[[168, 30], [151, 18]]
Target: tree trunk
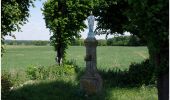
[[159, 58], [163, 76], [60, 49], [163, 87], [59, 55]]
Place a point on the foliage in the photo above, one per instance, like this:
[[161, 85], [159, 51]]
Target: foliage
[[77, 42], [152, 21], [141, 18], [115, 77], [125, 41], [102, 42], [65, 19], [32, 72], [136, 41], [14, 13], [6, 85], [27, 42], [109, 15], [40, 43], [116, 41], [138, 74], [142, 73], [149, 21], [131, 40], [51, 72], [113, 81]]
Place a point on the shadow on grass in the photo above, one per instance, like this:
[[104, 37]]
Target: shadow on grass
[[115, 78], [56, 90], [135, 77], [126, 79], [62, 90]]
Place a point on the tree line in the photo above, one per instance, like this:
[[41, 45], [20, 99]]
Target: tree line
[[116, 41], [27, 42]]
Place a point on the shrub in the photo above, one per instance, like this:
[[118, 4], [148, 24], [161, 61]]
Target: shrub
[[138, 74], [64, 70], [50, 72], [6, 84], [77, 42], [79, 71], [31, 71], [142, 73], [115, 77], [134, 41], [102, 42]]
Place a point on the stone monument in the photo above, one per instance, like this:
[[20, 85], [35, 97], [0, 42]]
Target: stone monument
[[91, 81]]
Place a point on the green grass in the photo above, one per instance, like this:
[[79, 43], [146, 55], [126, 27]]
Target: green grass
[[140, 93], [61, 90], [108, 57], [18, 58]]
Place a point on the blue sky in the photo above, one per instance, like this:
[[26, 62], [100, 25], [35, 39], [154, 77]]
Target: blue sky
[[35, 28]]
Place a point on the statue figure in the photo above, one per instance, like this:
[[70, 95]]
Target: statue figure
[[91, 20]]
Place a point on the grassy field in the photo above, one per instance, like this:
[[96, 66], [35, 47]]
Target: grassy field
[[108, 57], [18, 58]]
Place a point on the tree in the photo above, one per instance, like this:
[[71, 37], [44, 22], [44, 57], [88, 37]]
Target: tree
[[14, 14], [65, 19], [109, 15], [148, 20]]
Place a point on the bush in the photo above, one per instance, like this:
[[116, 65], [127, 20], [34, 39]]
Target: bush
[[115, 77], [138, 74], [6, 85], [77, 42], [101, 42], [134, 41], [50, 72], [118, 41], [31, 71], [142, 73]]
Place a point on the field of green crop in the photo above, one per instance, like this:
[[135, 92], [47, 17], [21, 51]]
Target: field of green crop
[[108, 57], [18, 58]]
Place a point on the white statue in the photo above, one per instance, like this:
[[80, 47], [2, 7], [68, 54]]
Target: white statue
[[91, 20]]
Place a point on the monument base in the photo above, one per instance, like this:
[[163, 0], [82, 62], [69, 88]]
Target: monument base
[[91, 84]]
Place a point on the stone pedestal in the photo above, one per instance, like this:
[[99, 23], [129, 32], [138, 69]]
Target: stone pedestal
[[91, 81]]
